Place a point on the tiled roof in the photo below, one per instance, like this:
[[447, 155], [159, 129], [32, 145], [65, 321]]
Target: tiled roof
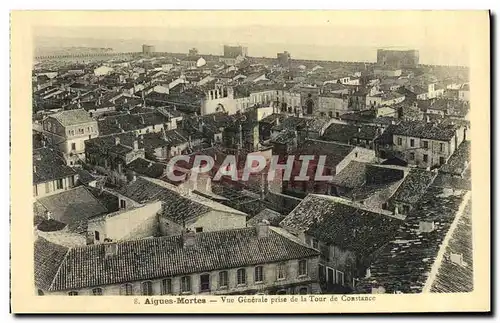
[[346, 132], [459, 160], [128, 122], [49, 166], [58, 268], [335, 221], [273, 217], [334, 152], [84, 176], [405, 263], [414, 186], [351, 176], [147, 167], [72, 206], [453, 277], [425, 130], [72, 117], [179, 205]]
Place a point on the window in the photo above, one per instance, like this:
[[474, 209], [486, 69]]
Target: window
[[241, 276], [126, 289], [259, 274], [59, 184], [71, 179], [81, 131], [441, 160], [412, 156], [339, 277], [96, 235], [199, 229], [330, 114], [322, 114], [426, 158], [97, 291], [412, 142], [123, 204], [73, 146], [186, 284], [441, 147], [205, 283], [73, 293], [315, 244], [337, 114], [303, 291], [147, 288], [400, 141], [223, 279], [302, 267], [47, 187], [166, 286], [280, 271], [425, 143]]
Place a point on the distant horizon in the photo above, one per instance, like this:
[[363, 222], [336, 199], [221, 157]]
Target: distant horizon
[[331, 43]]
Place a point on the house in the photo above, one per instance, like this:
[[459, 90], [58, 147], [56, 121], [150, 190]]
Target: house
[[414, 186], [72, 207], [384, 99], [51, 175], [356, 135], [332, 105], [103, 70], [141, 123], [426, 145], [346, 234], [431, 251], [264, 260], [387, 71], [336, 155], [109, 155], [180, 209], [193, 62], [464, 93], [68, 130], [125, 224]]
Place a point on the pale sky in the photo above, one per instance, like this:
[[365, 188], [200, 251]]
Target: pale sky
[[440, 36]]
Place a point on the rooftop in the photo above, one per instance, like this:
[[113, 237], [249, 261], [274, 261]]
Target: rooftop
[[49, 166], [72, 117], [405, 264], [337, 222], [72, 206], [61, 268]]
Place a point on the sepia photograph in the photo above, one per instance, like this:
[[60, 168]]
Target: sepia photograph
[[262, 161]]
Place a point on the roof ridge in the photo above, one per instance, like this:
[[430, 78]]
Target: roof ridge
[[68, 249]]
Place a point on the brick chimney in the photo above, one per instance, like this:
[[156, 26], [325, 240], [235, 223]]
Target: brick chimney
[[262, 229], [188, 238]]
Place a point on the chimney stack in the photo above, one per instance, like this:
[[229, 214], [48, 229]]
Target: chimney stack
[[263, 229], [110, 249], [136, 145], [117, 141], [189, 238]]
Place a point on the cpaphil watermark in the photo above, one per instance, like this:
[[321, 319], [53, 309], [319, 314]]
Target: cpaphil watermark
[[311, 167]]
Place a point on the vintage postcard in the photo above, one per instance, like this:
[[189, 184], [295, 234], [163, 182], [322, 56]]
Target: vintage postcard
[[250, 162]]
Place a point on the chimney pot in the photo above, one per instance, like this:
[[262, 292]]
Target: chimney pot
[[263, 229], [110, 249], [189, 238]]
